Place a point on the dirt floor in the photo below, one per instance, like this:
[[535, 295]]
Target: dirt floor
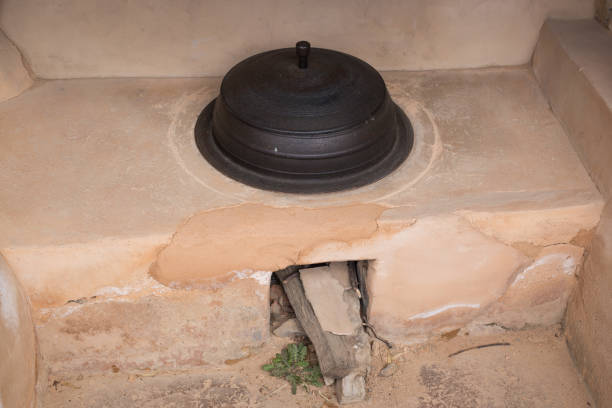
[[535, 370]]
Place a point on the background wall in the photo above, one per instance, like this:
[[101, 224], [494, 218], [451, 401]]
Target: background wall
[[99, 38], [14, 77]]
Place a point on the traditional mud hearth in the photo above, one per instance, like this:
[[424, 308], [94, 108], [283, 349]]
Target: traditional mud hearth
[[136, 256], [464, 229]]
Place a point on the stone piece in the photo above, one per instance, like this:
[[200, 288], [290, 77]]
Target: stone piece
[[336, 307], [276, 293], [275, 310], [290, 328], [329, 381], [350, 389], [388, 370], [339, 271]]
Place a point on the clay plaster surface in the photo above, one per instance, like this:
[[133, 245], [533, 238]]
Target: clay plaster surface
[[457, 270], [535, 371], [108, 172], [156, 329], [572, 63], [202, 38], [538, 294], [14, 77], [17, 344], [112, 267], [257, 237], [105, 158], [108, 210]]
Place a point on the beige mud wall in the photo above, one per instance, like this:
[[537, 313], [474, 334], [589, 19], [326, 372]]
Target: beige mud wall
[[14, 77], [91, 38], [17, 344], [573, 63]]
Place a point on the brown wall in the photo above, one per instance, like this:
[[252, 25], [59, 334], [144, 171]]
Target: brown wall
[[92, 38], [572, 62]]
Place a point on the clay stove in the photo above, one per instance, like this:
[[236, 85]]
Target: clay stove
[[483, 224]]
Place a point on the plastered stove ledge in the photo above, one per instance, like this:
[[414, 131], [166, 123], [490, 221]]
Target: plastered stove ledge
[[136, 253]]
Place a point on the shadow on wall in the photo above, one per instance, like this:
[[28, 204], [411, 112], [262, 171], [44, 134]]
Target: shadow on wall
[[17, 344]]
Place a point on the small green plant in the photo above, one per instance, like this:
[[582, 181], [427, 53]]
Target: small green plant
[[292, 365]]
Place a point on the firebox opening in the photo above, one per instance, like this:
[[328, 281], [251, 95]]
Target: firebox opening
[[283, 321], [327, 304]]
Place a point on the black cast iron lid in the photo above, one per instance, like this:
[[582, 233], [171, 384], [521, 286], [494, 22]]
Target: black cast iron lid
[[304, 120]]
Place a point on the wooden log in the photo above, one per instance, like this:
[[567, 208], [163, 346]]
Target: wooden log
[[338, 355]]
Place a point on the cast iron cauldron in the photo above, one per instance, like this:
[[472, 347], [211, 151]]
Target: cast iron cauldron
[[304, 120]]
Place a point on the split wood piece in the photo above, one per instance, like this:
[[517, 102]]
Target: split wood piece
[[361, 270], [339, 355]]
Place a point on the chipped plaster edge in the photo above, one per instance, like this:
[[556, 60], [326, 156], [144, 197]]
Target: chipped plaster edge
[[444, 308], [588, 215]]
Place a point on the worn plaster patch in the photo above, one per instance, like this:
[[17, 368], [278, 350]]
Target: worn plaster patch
[[53, 274], [538, 227], [538, 294], [564, 262], [146, 284], [213, 244], [439, 310], [262, 277]]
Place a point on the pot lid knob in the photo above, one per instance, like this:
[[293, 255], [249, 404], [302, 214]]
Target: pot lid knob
[[302, 49]]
